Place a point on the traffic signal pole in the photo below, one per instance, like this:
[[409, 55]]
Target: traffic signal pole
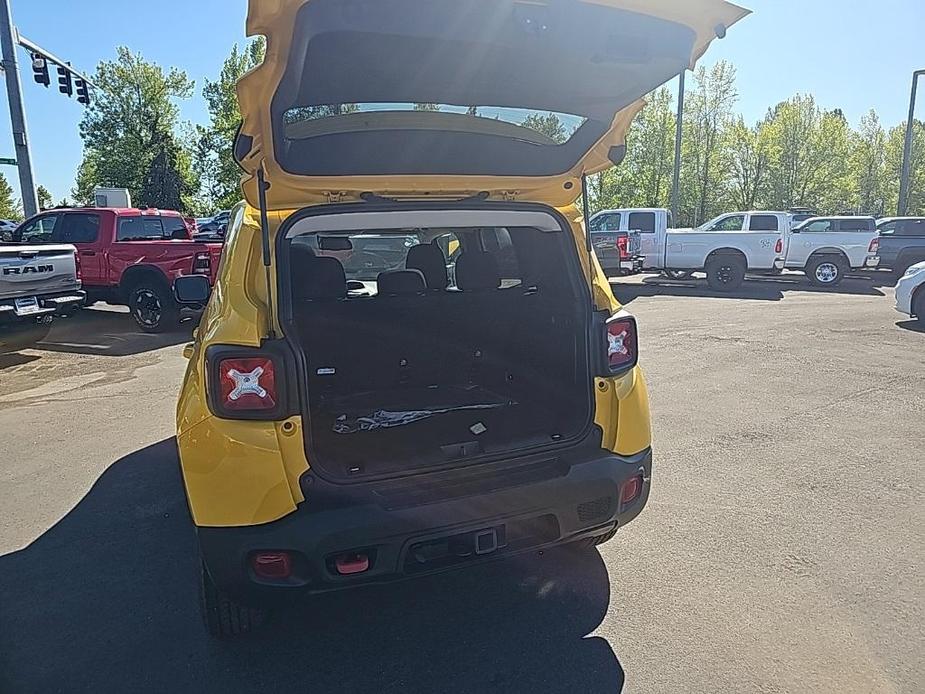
[[10, 65]]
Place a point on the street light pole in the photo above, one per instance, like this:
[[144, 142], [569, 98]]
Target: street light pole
[[907, 150], [17, 113], [676, 175]]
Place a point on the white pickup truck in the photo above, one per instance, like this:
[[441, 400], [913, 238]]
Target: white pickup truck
[[759, 241], [724, 248], [826, 248], [37, 283]]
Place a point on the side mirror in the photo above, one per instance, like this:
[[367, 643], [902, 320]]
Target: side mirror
[[6, 236], [192, 289], [794, 231]]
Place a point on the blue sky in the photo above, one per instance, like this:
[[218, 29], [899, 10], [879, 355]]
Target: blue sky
[[850, 58]]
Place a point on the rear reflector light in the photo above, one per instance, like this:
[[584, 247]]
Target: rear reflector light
[[77, 264], [779, 247], [874, 245], [347, 564], [631, 490], [274, 565], [622, 342], [247, 384], [623, 246], [202, 264]]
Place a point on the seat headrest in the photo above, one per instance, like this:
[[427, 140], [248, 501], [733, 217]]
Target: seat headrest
[[477, 270], [428, 258], [316, 277], [400, 282]]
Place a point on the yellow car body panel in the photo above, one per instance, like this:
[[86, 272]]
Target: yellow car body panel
[[240, 473], [276, 20], [247, 472]]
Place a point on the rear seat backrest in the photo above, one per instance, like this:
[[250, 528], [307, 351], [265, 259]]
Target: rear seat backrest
[[429, 259], [316, 277], [477, 270], [400, 282]]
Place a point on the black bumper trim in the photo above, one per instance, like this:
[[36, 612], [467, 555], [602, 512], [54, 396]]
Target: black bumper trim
[[314, 536]]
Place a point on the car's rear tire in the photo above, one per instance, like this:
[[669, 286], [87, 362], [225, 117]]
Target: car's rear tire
[[152, 307], [918, 306], [725, 272], [826, 271], [223, 617]]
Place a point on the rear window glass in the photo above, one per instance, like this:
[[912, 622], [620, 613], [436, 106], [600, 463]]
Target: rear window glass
[[642, 221], [762, 222], [140, 228], [539, 127], [856, 225], [174, 227]]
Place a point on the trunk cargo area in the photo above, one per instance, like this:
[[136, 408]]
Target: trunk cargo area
[[437, 346]]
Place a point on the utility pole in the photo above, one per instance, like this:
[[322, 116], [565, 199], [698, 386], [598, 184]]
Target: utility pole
[[8, 39], [676, 175], [907, 150]]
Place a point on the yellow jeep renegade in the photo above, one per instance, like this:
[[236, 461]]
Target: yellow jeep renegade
[[411, 360]]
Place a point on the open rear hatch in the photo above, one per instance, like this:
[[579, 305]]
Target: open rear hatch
[[450, 98]]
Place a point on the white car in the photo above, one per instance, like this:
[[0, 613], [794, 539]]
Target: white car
[[910, 292]]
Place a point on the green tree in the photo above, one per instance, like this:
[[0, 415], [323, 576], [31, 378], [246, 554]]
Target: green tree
[[868, 161], [707, 110], [44, 197], [167, 183], [220, 175], [893, 167], [133, 119], [548, 125], [749, 154], [9, 208]]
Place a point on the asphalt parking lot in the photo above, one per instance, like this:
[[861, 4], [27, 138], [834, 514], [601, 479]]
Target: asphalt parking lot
[[782, 549]]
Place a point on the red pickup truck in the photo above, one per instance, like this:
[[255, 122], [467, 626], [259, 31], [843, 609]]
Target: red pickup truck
[[128, 256]]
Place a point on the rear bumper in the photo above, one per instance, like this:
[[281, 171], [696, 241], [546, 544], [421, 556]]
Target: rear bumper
[[779, 263], [410, 540], [872, 261], [49, 305]]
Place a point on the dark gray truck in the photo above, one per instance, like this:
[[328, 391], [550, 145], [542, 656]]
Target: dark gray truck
[[902, 242]]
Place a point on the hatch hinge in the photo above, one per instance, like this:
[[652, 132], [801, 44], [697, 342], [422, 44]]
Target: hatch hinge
[[509, 195], [335, 196]]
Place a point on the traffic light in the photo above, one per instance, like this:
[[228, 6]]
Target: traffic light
[[40, 69], [65, 86], [83, 96]]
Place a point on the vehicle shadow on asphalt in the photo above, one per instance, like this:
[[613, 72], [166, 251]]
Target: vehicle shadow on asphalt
[[108, 333], [763, 289], [911, 325], [105, 600]]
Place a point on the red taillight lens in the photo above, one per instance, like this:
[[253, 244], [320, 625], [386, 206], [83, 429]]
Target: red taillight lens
[[631, 490], [77, 264], [273, 565], [874, 245], [202, 263], [247, 384], [622, 342], [779, 247], [623, 246]]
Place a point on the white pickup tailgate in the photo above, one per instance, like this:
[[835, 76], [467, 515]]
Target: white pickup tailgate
[[37, 270]]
